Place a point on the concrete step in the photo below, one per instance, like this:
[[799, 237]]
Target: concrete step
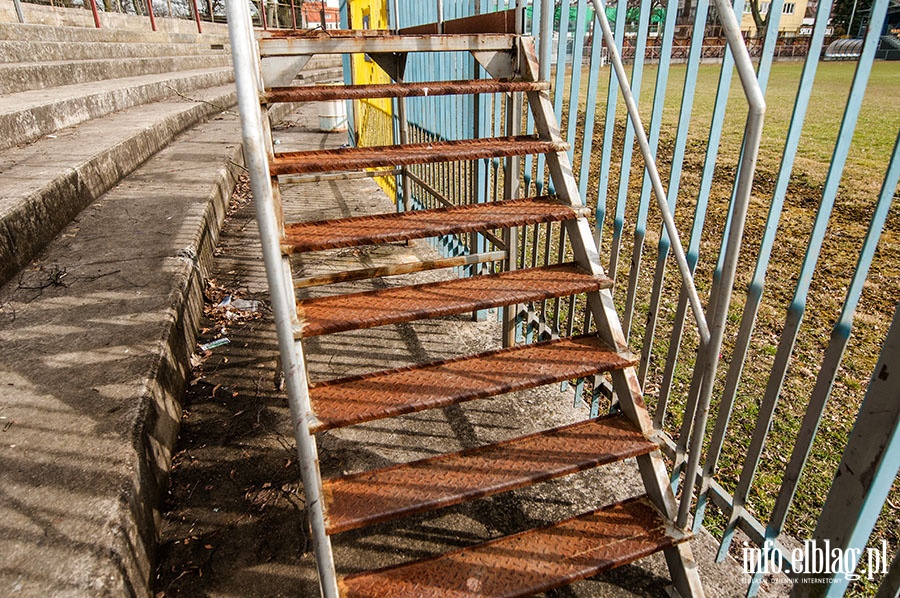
[[42, 51], [94, 368], [22, 76], [46, 184], [48, 33], [321, 75], [29, 115]]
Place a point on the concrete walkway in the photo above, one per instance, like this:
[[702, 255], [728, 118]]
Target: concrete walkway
[[235, 524], [95, 335]]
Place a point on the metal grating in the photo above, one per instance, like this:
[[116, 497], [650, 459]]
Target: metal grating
[[326, 315], [530, 562], [370, 497], [318, 93], [379, 395], [418, 224], [353, 158]]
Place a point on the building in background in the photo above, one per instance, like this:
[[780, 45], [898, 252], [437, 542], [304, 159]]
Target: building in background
[[314, 12]]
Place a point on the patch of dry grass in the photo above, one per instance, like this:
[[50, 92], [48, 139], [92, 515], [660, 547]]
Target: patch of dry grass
[[873, 140]]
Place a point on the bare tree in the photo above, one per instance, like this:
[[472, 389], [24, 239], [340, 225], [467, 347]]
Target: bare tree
[[759, 20]]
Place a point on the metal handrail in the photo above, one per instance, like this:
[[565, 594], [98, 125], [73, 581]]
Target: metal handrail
[[711, 333], [615, 59], [257, 147]]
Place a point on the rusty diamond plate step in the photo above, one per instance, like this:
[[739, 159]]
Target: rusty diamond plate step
[[529, 562], [326, 315], [358, 399], [320, 93], [418, 224], [369, 497], [354, 158]]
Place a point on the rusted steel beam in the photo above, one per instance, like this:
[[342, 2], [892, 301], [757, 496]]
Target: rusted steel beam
[[371, 497], [530, 562], [503, 21], [353, 311], [315, 93], [420, 224], [395, 269], [353, 158], [358, 399], [289, 43]]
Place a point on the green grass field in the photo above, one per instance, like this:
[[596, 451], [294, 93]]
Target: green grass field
[[873, 141]]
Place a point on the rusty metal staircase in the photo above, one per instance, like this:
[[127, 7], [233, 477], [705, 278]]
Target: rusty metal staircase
[[517, 565]]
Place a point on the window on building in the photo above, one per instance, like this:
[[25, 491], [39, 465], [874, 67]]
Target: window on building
[[788, 8]]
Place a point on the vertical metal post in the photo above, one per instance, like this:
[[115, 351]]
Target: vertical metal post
[[256, 150], [197, 15], [864, 477], [95, 13], [151, 15], [262, 12], [440, 16], [511, 189], [404, 139], [293, 16], [709, 353], [18, 5]]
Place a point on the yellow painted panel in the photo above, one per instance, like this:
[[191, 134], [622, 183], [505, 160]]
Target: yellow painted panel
[[374, 118]]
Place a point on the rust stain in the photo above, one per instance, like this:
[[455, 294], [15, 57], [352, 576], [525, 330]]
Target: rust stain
[[419, 224], [316, 93], [354, 158], [357, 399], [381, 495]]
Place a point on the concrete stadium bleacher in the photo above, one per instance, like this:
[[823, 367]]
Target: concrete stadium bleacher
[[118, 154]]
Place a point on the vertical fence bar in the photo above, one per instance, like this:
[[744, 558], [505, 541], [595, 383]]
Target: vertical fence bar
[[546, 53], [589, 112], [840, 337], [575, 83], [797, 307], [687, 102], [537, 12], [864, 477], [681, 135], [757, 282], [609, 124], [637, 79], [640, 227]]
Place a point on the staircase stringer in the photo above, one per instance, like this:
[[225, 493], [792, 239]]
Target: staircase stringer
[[626, 384]]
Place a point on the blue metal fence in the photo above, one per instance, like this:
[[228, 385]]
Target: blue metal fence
[[690, 133]]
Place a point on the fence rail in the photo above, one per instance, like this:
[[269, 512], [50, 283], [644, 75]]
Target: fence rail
[[752, 460]]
